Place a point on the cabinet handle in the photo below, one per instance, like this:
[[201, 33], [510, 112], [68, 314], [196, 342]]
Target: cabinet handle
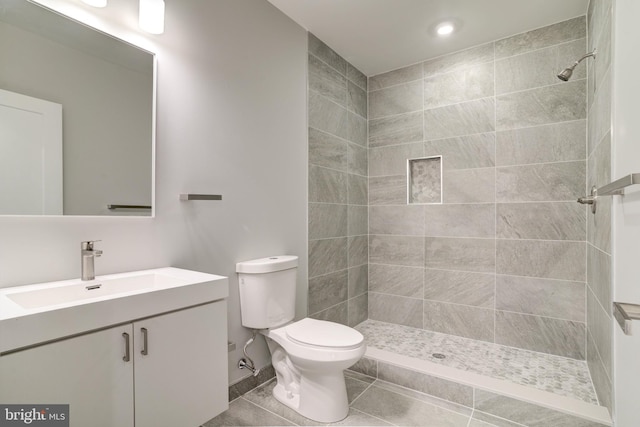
[[127, 354], [145, 344]]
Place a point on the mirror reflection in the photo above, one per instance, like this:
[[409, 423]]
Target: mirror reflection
[[76, 117]]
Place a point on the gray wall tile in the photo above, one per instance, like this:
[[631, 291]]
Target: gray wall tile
[[392, 160], [460, 119], [460, 254], [396, 280], [550, 104], [542, 144], [541, 182], [327, 185], [357, 99], [325, 53], [356, 129], [459, 60], [544, 220], [404, 220], [358, 280], [461, 320], [357, 159], [396, 250], [444, 389], [327, 291], [358, 248], [559, 337], [539, 67], [394, 100], [398, 129], [327, 116], [543, 297], [465, 85], [358, 220], [526, 413], [469, 186], [338, 313], [600, 326], [599, 275], [571, 29], [464, 152], [461, 287], [356, 76], [601, 381], [541, 258], [388, 190], [327, 255], [599, 123], [327, 220], [466, 220], [327, 150], [358, 189], [395, 309], [358, 309], [327, 82], [395, 77]]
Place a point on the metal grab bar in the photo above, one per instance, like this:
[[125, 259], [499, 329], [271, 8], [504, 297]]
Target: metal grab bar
[[615, 188], [113, 207], [185, 197]]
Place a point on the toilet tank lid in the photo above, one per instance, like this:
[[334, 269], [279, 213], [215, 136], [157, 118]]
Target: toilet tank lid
[[267, 265]]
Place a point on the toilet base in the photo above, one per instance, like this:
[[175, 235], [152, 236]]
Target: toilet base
[[321, 398]]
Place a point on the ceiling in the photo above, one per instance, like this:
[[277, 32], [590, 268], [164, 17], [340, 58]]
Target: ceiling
[[382, 35]]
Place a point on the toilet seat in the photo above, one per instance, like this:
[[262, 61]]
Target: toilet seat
[[323, 334]]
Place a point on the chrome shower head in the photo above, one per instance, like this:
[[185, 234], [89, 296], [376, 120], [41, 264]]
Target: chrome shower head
[[565, 74]]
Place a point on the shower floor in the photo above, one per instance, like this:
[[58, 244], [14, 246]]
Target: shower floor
[[555, 374]]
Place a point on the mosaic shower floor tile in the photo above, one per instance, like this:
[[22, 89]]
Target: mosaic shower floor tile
[[555, 374]]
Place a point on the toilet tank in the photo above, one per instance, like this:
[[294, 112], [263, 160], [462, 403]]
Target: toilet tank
[[267, 291]]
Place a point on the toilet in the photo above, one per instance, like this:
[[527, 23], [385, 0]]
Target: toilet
[[309, 355]]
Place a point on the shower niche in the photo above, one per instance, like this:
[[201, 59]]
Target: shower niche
[[424, 180]]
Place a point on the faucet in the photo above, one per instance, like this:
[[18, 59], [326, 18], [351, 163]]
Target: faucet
[[88, 255]]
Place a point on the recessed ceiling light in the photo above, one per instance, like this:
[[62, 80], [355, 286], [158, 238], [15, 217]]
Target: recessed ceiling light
[[445, 29]]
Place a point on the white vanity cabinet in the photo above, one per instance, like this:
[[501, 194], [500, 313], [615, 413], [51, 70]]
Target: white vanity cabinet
[[181, 380]]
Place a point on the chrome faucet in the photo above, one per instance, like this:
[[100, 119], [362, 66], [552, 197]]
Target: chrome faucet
[[88, 255]]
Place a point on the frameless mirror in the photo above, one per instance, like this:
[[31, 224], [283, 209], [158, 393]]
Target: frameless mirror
[[76, 117]]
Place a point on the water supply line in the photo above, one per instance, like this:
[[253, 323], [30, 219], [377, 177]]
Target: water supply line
[[246, 362]]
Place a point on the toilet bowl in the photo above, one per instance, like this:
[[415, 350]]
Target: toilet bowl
[[308, 355]]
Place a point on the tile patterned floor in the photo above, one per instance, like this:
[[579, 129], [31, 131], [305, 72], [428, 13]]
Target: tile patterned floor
[[559, 375], [372, 403]]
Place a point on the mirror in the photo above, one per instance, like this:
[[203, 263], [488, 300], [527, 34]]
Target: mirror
[[76, 117]]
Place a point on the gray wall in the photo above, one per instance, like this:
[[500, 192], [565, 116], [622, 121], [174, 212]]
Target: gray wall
[[503, 258], [337, 187], [232, 99], [599, 291]]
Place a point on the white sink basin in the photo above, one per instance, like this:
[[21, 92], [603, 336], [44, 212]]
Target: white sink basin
[[35, 314], [51, 296]]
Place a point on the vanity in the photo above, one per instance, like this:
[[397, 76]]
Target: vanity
[[147, 348]]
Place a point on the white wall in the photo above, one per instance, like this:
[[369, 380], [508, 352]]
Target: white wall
[[626, 210], [231, 121]]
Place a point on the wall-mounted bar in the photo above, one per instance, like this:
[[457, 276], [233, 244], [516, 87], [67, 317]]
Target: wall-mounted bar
[[113, 207], [625, 314], [200, 197], [615, 188]]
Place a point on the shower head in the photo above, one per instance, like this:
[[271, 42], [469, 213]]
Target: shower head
[[565, 74]]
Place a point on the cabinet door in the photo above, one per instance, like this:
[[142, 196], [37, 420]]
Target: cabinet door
[[87, 372], [183, 379]]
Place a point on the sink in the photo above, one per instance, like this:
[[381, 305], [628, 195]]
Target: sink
[[36, 314], [52, 296]]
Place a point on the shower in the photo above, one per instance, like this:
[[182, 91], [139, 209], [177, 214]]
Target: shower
[[565, 74]]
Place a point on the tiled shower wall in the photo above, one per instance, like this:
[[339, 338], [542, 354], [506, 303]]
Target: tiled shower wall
[[338, 188], [503, 258], [599, 291]]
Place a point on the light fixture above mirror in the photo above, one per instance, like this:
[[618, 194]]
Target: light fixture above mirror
[[150, 15]]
